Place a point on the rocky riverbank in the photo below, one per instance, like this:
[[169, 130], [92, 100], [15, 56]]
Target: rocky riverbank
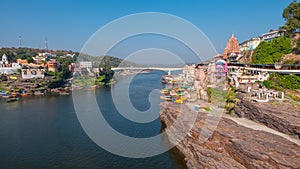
[[231, 145]]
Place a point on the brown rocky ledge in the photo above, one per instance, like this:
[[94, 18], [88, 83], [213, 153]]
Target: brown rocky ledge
[[283, 117], [231, 145]]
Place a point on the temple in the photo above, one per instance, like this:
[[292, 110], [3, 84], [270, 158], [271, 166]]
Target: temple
[[4, 60], [232, 52]]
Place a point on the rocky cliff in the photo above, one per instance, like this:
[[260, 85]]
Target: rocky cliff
[[231, 145], [283, 117]]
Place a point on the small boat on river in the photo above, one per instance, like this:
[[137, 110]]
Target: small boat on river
[[12, 100]]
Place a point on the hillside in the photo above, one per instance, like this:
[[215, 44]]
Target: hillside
[[27, 53]]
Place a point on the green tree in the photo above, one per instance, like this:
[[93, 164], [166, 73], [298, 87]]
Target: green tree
[[64, 66], [106, 72], [291, 14]]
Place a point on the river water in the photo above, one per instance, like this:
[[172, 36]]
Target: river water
[[44, 132]]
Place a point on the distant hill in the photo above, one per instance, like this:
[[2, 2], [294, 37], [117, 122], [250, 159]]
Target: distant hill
[[107, 60], [27, 53], [14, 53]]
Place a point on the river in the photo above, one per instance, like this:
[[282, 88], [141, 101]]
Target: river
[[44, 132]]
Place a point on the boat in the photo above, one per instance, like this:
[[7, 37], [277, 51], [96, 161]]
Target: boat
[[166, 98], [14, 94], [5, 96], [38, 93], [64, 93], [24, 94], [12, 100]]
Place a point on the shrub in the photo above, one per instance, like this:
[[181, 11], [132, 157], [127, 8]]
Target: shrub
[[272, 51], [280, 82]]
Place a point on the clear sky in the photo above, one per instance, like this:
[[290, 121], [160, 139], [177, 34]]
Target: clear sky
[[69, 23]]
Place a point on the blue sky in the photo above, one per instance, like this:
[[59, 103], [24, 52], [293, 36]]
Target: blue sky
[[68, 24]]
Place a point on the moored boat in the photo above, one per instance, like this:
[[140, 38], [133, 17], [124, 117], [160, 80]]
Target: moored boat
[[12, 100], [24, 94], [64, 93]]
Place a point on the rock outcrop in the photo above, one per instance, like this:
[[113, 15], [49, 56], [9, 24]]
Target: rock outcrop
[[230, 145], [283, 117]]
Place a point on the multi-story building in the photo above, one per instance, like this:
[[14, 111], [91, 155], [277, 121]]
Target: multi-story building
[[52, 65], [272, 35]]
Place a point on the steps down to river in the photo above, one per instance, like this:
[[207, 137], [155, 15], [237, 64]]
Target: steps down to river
[[231, 145]]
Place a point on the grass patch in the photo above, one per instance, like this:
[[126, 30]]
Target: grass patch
[[294, 97], [216, 95], [207, 108], [296, 104], [275, 103]]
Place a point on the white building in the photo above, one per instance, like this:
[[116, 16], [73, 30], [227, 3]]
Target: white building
[[47, 55], [4, 60], [32, 73], [7, 68], [250, 44], [85, 65], [272, 35]]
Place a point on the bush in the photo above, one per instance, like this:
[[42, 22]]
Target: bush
[[272, 51], [280, 82], [207, 109], [230, 100]]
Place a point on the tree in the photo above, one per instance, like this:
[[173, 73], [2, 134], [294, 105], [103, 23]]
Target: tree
[[291, 14]]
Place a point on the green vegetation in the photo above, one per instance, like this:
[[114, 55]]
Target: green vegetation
[[207, 109], [296, 103], [84, 81], [27, 53], [290, 62], [109, 61], [231, 100], [106, 73], [281, 82], [216, 95], [272, 52], [59, 78], [294, 97], [291, 15], [64, 66]]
